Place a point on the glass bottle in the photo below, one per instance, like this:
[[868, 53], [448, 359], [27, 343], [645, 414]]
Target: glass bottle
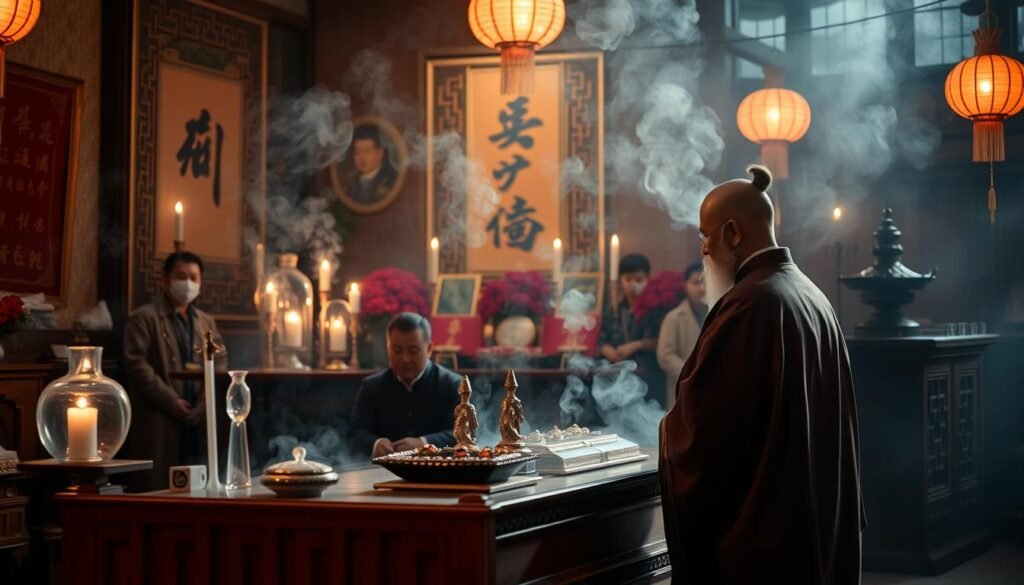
[[239, 401]]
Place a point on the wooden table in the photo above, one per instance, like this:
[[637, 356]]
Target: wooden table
[[603, 525]]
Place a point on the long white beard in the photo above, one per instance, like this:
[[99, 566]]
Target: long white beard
[[718, 279]]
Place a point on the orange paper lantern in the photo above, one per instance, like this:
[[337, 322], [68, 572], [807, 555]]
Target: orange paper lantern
[[518, 28], [986, 89], [774, 118], [17, 19]]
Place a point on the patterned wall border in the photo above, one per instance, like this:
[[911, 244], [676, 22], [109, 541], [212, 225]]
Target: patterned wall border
[[208, 36], [583, 137]]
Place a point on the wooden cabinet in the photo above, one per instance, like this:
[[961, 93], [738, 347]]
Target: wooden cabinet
[[921, 427], [20, 387]]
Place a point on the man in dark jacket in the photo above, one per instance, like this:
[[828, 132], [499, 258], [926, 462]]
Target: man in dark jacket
[[759, 455], [409, 404]]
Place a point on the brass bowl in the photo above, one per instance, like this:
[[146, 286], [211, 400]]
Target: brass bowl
[[299, 478]]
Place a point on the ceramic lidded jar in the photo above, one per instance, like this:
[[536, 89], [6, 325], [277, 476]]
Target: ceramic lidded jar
[[83, 416], [299, 478]]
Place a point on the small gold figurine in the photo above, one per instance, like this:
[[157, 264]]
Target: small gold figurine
[[512, 418], [465, 418]]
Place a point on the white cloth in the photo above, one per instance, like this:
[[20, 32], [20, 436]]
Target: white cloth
[[35, 302], [678, 336]]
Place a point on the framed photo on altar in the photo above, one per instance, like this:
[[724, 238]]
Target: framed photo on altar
[[504, 210], [199, 138], [372, 173], [587, 283], [456, 295]]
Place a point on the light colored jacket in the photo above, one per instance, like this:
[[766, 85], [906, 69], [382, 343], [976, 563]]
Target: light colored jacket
[[150, 354], [679, 332]]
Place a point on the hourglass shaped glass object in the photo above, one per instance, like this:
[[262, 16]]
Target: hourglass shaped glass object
[[239, 401]]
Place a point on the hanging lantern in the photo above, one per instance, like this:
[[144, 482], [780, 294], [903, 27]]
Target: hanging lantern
[[518, 28], [986, 89], [17, 19], [774, 117]]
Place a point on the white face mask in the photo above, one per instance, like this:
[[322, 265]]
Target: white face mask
[[184, 291], [638, 287]]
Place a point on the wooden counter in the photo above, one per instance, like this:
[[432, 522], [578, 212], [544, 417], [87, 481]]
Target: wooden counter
[[604, 525]]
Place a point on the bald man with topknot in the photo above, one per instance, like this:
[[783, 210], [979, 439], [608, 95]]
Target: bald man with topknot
[[759, 455]]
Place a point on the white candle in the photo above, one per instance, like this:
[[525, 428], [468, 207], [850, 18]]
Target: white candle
[[269, 298], [325, 275], [613, 262], [433, 267], [292, 329], [353, 298], [338, 335], [83, 441], [556, 269], [179, 222]]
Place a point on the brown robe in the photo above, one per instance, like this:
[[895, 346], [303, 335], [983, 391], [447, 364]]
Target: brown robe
[[759, 456]]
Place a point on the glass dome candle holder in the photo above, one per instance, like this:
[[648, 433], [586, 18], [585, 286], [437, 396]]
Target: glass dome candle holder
[[336, 334], [83, 416], [287, 325]]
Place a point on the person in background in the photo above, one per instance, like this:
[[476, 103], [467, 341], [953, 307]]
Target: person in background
[[680, 329], [168, 416], [411, 403], [624, 338]]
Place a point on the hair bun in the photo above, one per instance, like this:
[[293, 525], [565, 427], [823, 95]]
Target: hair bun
[[761, 177]]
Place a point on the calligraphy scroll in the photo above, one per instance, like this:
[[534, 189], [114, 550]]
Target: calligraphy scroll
[[40, 116]]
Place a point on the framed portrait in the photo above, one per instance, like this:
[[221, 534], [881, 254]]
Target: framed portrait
[[41, 115], [456, 295], [372, 173], [518, 145], [198, 137], [584, 282]]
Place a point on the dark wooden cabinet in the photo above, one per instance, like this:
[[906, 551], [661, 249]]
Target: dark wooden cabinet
[[921, 427], [20, 387]]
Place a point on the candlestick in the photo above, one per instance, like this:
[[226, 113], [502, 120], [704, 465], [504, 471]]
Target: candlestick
[[354, 358], [325, 275], [209, 350], [292, 336], [323, 325], [613, 261], [433, 266], [556, 268], [179, 222], [354, 298], [83, 444]]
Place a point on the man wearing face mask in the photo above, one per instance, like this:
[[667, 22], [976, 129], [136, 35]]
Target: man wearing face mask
[[624, 338], [759, 456], [168, 416]]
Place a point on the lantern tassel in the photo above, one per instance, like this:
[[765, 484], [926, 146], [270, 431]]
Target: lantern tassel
[[988, 141], [775, 155], [991, 194], [517, 69]]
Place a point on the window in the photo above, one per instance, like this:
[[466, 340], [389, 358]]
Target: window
[[942, 34], [759, 18], [840, 48]]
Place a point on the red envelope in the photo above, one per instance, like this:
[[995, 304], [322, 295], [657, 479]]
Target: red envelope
[[557, 338], [465, 333]]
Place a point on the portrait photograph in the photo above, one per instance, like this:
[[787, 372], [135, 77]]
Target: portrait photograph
[[585, 283], [370, 176], [456, 294]]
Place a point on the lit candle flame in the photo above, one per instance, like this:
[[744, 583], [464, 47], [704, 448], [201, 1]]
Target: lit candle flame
[[615, 239], [435, 243], [837, 213], [271, 288], [293, 317], [558, 243], [82, 402], [325, 264], [179, 208], [354, 287]]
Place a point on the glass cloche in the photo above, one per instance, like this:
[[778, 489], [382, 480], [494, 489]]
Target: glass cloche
[[287, 323], [83, 416], [336, 334]]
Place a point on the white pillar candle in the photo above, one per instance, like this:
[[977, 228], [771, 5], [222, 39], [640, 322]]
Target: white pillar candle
[[179, 222], [83, 440], [613, 262], [325, 275], [353, 298], [269, 298], [292, 330], [556, 268], [433, 267], [338, 335]]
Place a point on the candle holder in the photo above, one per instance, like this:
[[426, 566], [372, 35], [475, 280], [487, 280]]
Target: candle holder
[[288, 327], [335, 339], [83, 416], [353, 360]]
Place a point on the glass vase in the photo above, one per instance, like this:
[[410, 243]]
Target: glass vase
[[287, 323], [239, 402], [83, 416]]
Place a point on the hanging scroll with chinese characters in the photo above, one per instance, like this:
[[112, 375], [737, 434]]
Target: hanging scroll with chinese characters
[[199, 138], [502, 207], [40, 117]]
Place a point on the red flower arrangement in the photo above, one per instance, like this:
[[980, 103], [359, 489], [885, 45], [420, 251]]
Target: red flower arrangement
[[12, 314], [664, 292], [390, 291], [518, 293]]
